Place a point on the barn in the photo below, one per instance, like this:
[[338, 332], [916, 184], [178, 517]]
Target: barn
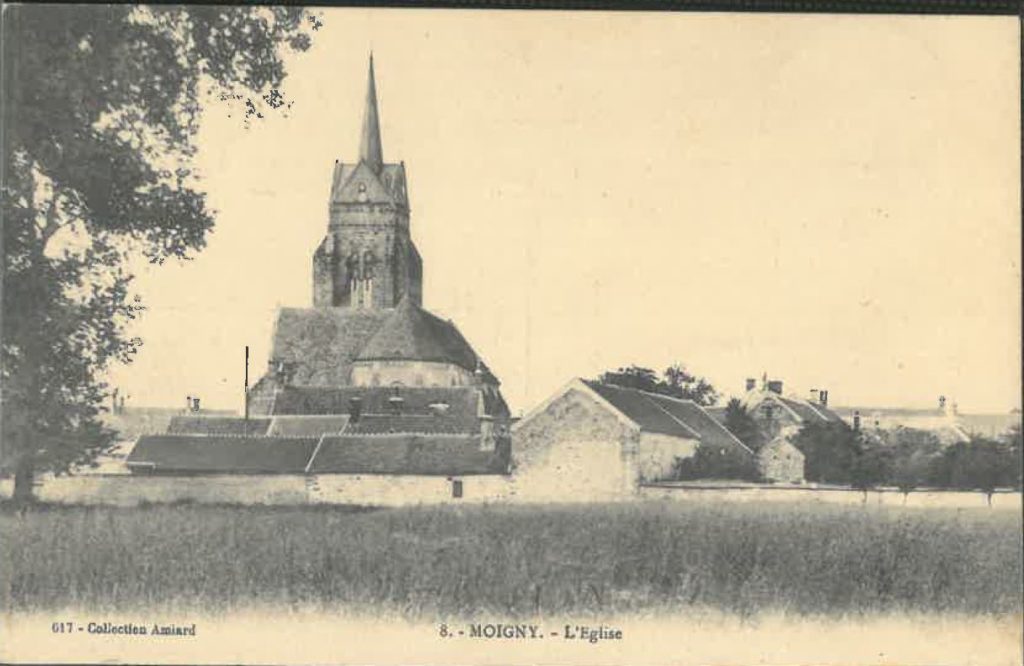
[[594, 441]]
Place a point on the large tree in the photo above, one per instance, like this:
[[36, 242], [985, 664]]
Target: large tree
[[101, 106], [675, 381]]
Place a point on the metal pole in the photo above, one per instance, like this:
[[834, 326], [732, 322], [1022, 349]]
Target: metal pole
[[247, 389]]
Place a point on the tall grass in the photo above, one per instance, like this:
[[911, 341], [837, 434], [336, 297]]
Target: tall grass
[[514, 561]]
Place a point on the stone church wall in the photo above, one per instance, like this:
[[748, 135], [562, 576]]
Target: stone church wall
[[410, 373]]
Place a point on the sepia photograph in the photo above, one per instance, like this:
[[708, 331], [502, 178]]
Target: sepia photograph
[[375, 335]]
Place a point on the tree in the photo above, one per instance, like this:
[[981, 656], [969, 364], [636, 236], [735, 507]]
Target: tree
[[101, 105], [675, 381], [1015, 450], [870, 466], [979, 464], [740, 423], [912, 454], [830, 451]]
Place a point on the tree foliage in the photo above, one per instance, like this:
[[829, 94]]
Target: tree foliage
[[830, 451], [101, 105], [742, 425], [979, 464], [675, 381]]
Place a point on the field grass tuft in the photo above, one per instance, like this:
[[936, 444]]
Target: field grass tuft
[[515, 561]]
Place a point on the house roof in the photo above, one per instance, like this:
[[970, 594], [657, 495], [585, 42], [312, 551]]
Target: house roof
[[422, 410], [217, 425], [307, 425], [409, 454], [638, 407], [323, 342], [436, 454], [697, 418], [377, 424], [413, 334], [803, 409], [211, 454], [666, 415]]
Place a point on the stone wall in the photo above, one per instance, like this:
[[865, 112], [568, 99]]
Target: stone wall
[[656, 455], [370, 490], [574, 450], [780, 461], [410, 373]]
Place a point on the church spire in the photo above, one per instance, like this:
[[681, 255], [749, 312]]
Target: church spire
[[370, 150]]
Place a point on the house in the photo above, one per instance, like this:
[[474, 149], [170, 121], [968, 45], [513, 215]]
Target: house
[[775, 411], [594, 441]]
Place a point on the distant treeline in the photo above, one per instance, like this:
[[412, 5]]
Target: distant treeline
[[903, 458]]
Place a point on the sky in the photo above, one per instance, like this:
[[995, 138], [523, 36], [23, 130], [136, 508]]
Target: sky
[[831, 200]]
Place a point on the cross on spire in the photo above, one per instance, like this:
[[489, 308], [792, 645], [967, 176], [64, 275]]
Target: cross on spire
[[370, 150]]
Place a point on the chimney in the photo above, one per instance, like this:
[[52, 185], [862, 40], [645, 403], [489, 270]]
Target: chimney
[[355, 409], [188, 403], [942, 403], [814, 395], [856, 420], [823, 397], [775, 386], [751, 384], [395, 402], [195, 404]]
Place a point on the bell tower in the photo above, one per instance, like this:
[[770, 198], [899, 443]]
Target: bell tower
[[367, 260]]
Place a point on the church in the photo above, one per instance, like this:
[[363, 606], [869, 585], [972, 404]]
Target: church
[[366, 381]]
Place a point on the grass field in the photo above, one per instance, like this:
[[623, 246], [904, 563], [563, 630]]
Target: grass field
[[515, 561]]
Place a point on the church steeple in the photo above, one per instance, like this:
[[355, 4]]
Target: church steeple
[[370, 150]]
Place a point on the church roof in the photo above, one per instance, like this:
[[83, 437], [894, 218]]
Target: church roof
[[414, 334], [369, 180], [358, 183], [371, 151], [323, 342], [462, 405]]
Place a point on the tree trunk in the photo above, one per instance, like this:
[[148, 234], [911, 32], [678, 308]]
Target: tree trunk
[[24, 478]]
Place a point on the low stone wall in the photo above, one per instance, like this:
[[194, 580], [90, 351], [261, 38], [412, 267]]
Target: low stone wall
[[276, 489], [924, 498], [398, 490]]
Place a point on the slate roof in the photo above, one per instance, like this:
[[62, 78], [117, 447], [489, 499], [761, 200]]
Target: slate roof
[[388, 187], [408, 423], [463, 401], [217, 425], [711, 432], [668, 416], [198, 454], [409, 454], [804, 409], [323, 342], [717, 412], [642, 410], [449, 455], [412, 333], [307, 425]]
